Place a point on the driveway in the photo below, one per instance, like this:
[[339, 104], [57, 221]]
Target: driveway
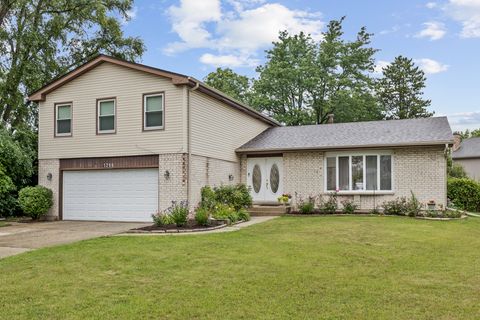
[[21, 237]]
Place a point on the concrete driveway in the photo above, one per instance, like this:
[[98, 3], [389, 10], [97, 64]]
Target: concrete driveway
[[21, 237]]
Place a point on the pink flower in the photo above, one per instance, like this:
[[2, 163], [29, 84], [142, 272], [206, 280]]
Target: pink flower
[[337, 190]]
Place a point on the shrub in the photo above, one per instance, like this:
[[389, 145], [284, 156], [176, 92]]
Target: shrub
[[243, 215], [456, 171], [236, 196], [464, 193], [179, 213], [35, 201], [208, 198], [201, 216], [7, 200], [162, 219], [349, 207], [396, 207], [453, 214], [306, 206], [223, 211], [413, 206], [330, 206]]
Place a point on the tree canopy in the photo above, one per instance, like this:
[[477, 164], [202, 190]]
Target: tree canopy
[[41, 39], [400, 90], [229, 82]]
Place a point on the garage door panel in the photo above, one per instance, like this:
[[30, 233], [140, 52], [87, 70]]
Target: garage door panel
[[110, 195]]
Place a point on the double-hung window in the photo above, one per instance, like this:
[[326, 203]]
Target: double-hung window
[[63, 119], [153, 111], [358, 172], [106, 115]]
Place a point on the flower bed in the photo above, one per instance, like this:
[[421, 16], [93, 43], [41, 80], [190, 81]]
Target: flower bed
[[190, 226]]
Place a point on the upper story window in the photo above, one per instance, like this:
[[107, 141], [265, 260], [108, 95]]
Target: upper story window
[[358, 172], [106, 115], [153, 111], [63, 119]]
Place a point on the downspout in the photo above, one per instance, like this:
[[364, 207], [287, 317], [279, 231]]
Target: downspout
[[189, 139]]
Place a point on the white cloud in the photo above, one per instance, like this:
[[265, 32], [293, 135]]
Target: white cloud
[[237, 34], [467, 12], [189, 23], [228, 60], [380, 65], [430, 66], [433, 30], [431, 5], [464, 120]]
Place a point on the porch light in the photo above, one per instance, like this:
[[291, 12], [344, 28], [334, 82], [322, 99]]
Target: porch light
[[230, 177], [167, 175], [49, 176]]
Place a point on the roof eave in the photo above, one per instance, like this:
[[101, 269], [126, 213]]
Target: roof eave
[[373, 146]]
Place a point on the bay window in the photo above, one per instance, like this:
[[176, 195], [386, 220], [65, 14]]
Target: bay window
[[358, 172]]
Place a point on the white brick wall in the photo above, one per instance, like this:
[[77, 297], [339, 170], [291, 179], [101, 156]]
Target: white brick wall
[[175, 187], [44, 168], [212, 172], [419, 169]]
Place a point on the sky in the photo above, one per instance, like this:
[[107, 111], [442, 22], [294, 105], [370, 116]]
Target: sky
[[194, 37]]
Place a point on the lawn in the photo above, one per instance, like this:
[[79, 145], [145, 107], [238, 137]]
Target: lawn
[[291, 267]]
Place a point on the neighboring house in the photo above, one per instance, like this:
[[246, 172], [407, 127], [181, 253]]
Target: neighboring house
[[467, 154], [119, 141]]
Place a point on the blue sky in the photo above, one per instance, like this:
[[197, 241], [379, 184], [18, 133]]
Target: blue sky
[[443, 37]]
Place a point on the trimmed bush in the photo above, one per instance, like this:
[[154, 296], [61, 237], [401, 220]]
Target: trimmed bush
[[7, 201], [464, 193], [456, 171], [35, 201], [236, 196], [201, 216], [223, 212]]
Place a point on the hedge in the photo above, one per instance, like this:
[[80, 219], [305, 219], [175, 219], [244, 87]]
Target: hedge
[[464, 193]]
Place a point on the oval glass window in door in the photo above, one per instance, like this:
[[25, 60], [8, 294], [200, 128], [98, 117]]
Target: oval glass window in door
[[274, 178], [256, 178]]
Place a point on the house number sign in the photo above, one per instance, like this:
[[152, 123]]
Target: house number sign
[[108, 164]]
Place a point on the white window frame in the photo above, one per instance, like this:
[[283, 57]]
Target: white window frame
[[364, 154], [57, 105], [114, 116], [145, 96]]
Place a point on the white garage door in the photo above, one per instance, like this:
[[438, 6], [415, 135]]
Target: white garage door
[[110, 195]]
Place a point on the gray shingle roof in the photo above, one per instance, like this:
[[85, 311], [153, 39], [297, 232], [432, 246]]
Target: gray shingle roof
[[469, 148], [426, 131]]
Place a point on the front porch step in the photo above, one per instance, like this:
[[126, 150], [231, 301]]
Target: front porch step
[[267, 210]]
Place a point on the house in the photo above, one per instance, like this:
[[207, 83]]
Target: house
[[119, 141], [467, 154]]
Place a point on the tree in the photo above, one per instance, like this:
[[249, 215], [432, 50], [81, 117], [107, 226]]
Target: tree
[[229, 82], [303, 81], [41, 39], [469, 134], [400, 90]]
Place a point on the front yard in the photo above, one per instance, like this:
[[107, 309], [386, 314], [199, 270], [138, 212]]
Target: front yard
[[290, 267]]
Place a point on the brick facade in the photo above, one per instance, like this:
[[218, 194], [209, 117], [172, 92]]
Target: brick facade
[[173, 188], [421, 170], [44, 168], [212, 172]]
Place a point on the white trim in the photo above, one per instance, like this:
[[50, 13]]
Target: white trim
[[145, 111], [336, 155], [69, 134], [114, 116]]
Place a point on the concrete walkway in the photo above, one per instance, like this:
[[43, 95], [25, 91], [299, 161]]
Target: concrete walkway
[[22, 237], [253, 220]]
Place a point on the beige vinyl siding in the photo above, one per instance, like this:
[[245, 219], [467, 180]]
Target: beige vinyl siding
[[218, 129], [471, 166], [128, 86]]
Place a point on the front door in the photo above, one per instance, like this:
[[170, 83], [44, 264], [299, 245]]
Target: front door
[[265, 178]]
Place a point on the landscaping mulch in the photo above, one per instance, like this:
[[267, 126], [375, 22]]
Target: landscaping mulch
[[191, 226]]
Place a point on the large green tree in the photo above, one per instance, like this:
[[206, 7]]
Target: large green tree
[[42, 39], [303, 81], [400, 90], [229, 82]]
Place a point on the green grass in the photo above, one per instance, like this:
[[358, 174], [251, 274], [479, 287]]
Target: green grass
[[3, 224], [292, 267]]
